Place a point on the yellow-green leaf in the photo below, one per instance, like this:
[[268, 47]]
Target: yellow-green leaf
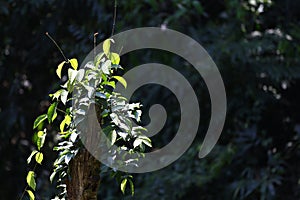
[[123, 185], [30, 194], [74, 63], [40, 139], [30, 180], [66, 121], [106, 46], [115, 58], [39, 157], [121, 80], [59, 68]]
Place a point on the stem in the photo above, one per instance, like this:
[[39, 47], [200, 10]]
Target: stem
[[62, 53], [61, 111], [95, 43], [114, 20]]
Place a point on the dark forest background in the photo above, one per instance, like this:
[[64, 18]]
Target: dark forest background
[[256, 46]]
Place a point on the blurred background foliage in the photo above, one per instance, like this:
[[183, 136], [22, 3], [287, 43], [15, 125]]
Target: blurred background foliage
[[255, 44]]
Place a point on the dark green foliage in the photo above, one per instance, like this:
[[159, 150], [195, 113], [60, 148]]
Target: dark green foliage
[[257, 53]]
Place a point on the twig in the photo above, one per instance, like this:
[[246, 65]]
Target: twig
[[95, 43], [62, 53], [114, 20]]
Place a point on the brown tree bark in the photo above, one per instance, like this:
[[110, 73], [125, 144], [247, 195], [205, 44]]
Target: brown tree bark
[[84, 178], [84, 169]]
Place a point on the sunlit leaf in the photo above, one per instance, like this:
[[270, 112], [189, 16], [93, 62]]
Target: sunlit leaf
[[51, 114], [30, 194], [72, 75], [31, 155], [123, 185], [66, 121], [39, 157], [74, 63], [106, 67], [113, 137], [121, 80], [64, 96], [56, 95], [39, 120], [52, 176], [40, 139], [80, 75], [30, 179], [106, 46], [59, 68], [115, 58]]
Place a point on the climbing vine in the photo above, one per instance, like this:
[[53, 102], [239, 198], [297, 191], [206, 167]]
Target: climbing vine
[[94, 85]]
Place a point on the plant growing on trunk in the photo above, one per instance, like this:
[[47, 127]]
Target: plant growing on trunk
[[76, 171]]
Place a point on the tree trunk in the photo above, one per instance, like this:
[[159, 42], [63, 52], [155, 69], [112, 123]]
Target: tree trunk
[[85, 177], [84, 169]]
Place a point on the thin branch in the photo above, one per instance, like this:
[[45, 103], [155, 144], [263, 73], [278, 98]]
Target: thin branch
[[95, 43], [62, 53], [114, 20]]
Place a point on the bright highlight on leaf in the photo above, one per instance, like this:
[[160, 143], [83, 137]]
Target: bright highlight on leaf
[[30, 180], [121, 80]]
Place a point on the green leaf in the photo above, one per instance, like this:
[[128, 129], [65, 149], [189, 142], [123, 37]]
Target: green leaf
[[39, 157], [30, 194], [123, 185], [59, 68], [106, 46], [39, 120], [51, 114], [131, 187], [115, 58], [40, 139], [31, 155], [74, 63], [121, 80], [30, 180]]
